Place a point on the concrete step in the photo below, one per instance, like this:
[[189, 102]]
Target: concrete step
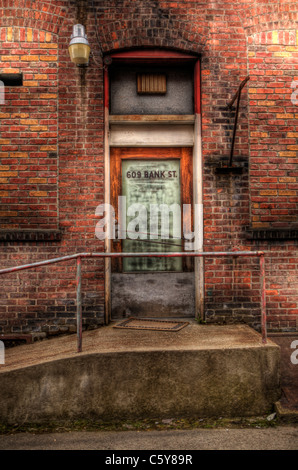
[[15, 339], [199, 371], [286, 414]]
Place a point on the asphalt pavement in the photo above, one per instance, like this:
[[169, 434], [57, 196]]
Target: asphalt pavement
[[276, 438]]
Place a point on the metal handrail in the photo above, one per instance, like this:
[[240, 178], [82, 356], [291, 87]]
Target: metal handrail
[[213, 254]]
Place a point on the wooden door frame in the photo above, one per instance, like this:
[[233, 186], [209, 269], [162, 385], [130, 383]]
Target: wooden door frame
[[118, 154], [159, 56]]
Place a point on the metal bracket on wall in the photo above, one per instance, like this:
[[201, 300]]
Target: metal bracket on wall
[[237, 96]]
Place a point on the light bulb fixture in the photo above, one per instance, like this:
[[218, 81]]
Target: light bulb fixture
[[79, 49]]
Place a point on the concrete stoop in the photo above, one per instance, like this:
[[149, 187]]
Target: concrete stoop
[[199, 371], [285, 414]]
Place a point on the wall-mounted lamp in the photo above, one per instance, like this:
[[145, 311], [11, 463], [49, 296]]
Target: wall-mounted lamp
[[79, 49]]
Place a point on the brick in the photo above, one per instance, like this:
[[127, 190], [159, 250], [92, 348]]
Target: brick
[[285, 116], [29, 35], [48, 96], [30, 83], [287, 179], [29, 121], [49, 46], [41, 76], [268, 192], [37, 180], [38, 128], [9, 34], [8, 214], [52, 148], [287, 154], [287, 193], [8, 58], [30, 58], [282, 54], [49, 58], [19, 155], [38, 193], [8, 173]]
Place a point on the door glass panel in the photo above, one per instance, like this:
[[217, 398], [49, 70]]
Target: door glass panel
[[153, 218]]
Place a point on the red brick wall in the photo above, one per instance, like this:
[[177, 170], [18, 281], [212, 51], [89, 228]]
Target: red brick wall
[[272, 60], [52, 129], [272, 57], [29, 130]]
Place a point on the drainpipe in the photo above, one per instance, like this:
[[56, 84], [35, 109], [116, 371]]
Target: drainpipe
[[107, 198], [198, 196]]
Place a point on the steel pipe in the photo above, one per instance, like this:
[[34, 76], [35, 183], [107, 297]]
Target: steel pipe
[[79, 304], [263, 299]]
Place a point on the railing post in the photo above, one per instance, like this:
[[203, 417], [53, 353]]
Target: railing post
[[79, 304], [263, 298]]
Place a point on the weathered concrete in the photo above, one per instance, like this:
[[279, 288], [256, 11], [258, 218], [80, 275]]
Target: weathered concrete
[[199, 371], [173, 293]]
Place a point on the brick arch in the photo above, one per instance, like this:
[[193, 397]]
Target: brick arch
[[268, 17], [46, 15], [26, 34], [145, 24]]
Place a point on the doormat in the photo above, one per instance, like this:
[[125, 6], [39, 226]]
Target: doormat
[[148, 324]]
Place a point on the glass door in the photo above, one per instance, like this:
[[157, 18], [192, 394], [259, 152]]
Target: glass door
[[152, 190]]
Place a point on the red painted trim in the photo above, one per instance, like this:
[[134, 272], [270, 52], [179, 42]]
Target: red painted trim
[[152, 54], [106, 88], [197, 88]]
